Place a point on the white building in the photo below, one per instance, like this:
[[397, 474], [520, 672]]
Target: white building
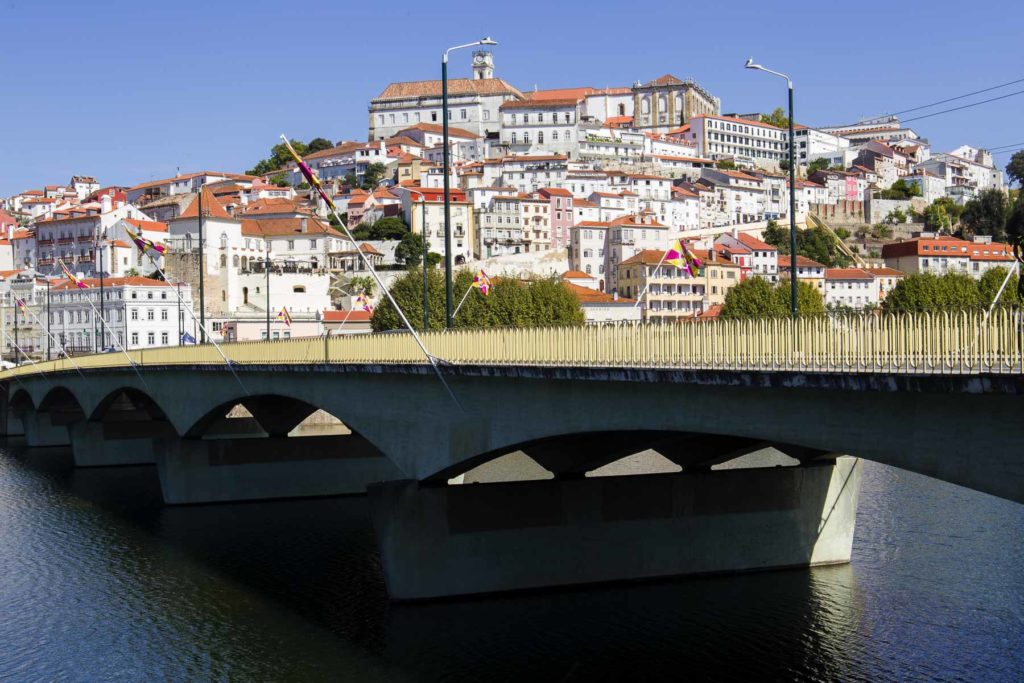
[[851, 288], [546, 126], [472, 102], [141, 312], [939, 255], [744, 141], [810, 143]]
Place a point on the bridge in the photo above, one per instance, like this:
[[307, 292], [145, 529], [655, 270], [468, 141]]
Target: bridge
[[937, 395]]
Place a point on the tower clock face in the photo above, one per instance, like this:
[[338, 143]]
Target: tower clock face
[[480, 59]]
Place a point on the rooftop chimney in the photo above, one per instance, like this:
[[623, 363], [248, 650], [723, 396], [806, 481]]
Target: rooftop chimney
[[106, 203], [302, 225]]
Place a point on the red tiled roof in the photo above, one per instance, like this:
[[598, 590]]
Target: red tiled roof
[[456, 86], [847, 274], [885, 272], [536, 104], [801, 262], [555, 191], [576, 275], [113, 282], [574, 94], [353, 316], [274, 227], [152, 226], [586, 295], [453, 132], [211, 207], [754, 243]]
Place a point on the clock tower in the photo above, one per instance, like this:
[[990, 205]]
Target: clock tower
[[483, 65]]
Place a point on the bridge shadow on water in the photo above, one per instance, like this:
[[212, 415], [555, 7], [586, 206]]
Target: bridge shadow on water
[[316, 561]]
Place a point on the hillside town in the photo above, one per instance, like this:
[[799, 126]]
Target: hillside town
[[588, 185]]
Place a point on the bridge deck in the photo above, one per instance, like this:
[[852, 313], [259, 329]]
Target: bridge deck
[[967, 343]]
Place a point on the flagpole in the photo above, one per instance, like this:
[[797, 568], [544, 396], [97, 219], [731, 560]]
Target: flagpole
[[53, 339], [647, 281], [462, 301], [206, 335], [34, 364], [366, 261], [103, 322]]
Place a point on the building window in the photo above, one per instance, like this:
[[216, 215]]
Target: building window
[[163, 314], [163, 338], [135, 314], [291, 245], [301, 289], [149, 314], [151, 338], [135, 338]]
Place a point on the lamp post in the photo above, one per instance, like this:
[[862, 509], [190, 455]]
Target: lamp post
[[449, 313], [49, 336], [794, 309], [99, 248], [267, 268], [423, 236], [202, 290]]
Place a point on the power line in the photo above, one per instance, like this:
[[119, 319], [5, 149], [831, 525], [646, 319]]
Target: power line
[[1012, 144], [1008, 151], [958, 97], [964, 106]]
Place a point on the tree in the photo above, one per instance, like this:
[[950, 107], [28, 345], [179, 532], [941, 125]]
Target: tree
[[989, 286], [753, 298], [901, 189], [809, 301], [433, 259], [510, 303], [814, 243], [1015, 168], [1015, 223], [280, 158], [410, 250], [389, 228], [896, 216], [362, 283], [725, 164], [318, 145], [817, 165], [374, 173], [757, 298], [986, 215], [777, 118], [775, 235], [280, 179], [928, 293]]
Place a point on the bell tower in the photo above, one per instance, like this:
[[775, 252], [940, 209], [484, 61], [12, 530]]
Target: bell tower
[[483, 65]]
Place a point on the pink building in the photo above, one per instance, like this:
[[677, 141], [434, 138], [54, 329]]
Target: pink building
[[561, 214]]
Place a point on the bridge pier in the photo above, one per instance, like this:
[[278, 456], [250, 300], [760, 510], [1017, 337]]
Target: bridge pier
[[42, 432], [439, 541], [95, 444], [234, 469]]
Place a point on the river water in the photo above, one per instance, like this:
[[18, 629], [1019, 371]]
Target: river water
[[99, 581]]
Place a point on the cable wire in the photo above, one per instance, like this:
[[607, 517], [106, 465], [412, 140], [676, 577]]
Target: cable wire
[[958, 97]]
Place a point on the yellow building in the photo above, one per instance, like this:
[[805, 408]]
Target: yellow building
[[671, 294]]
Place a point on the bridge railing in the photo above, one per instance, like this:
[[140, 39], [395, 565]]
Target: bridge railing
[[963, 343]]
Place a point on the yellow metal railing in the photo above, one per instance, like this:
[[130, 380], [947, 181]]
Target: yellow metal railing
[[964, 343]]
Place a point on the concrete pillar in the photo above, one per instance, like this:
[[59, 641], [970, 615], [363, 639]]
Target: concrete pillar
[[232, 469], [96, 444], [41, 432], [438, 541]]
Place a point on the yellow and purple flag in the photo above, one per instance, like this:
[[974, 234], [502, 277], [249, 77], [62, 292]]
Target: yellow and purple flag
[[308, 173], [21, 304], [285, 317], [363, 303], [681, 257], [482, 282], [144, 244], [74, 280]]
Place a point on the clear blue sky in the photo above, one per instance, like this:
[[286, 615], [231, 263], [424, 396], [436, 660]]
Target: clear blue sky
[[129, 91]]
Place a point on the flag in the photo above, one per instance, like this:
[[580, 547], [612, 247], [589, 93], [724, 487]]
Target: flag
[[308, 173], [363, 303], [145, 244], [482, 282], [680, 257], [285, 317], [21, 304], [74, 280], [187, 338]]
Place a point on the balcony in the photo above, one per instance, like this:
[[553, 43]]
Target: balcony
[[45, 262], [45, 242]]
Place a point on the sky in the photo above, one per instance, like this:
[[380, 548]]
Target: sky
[[132, 91]]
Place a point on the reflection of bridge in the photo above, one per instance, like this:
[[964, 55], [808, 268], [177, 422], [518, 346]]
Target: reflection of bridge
[[936, 396]]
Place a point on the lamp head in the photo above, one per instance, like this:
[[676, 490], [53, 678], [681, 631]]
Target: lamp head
[[750, 64], [488, 41]]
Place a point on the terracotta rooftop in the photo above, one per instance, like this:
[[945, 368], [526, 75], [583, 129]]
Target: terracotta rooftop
[[456, 86]]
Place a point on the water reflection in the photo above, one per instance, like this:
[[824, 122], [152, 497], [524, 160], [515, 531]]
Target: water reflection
[[103, 582]]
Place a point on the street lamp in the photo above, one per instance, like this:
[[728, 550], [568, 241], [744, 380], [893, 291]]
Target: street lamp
[[794, 309], [423, 235], [449, 314]]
